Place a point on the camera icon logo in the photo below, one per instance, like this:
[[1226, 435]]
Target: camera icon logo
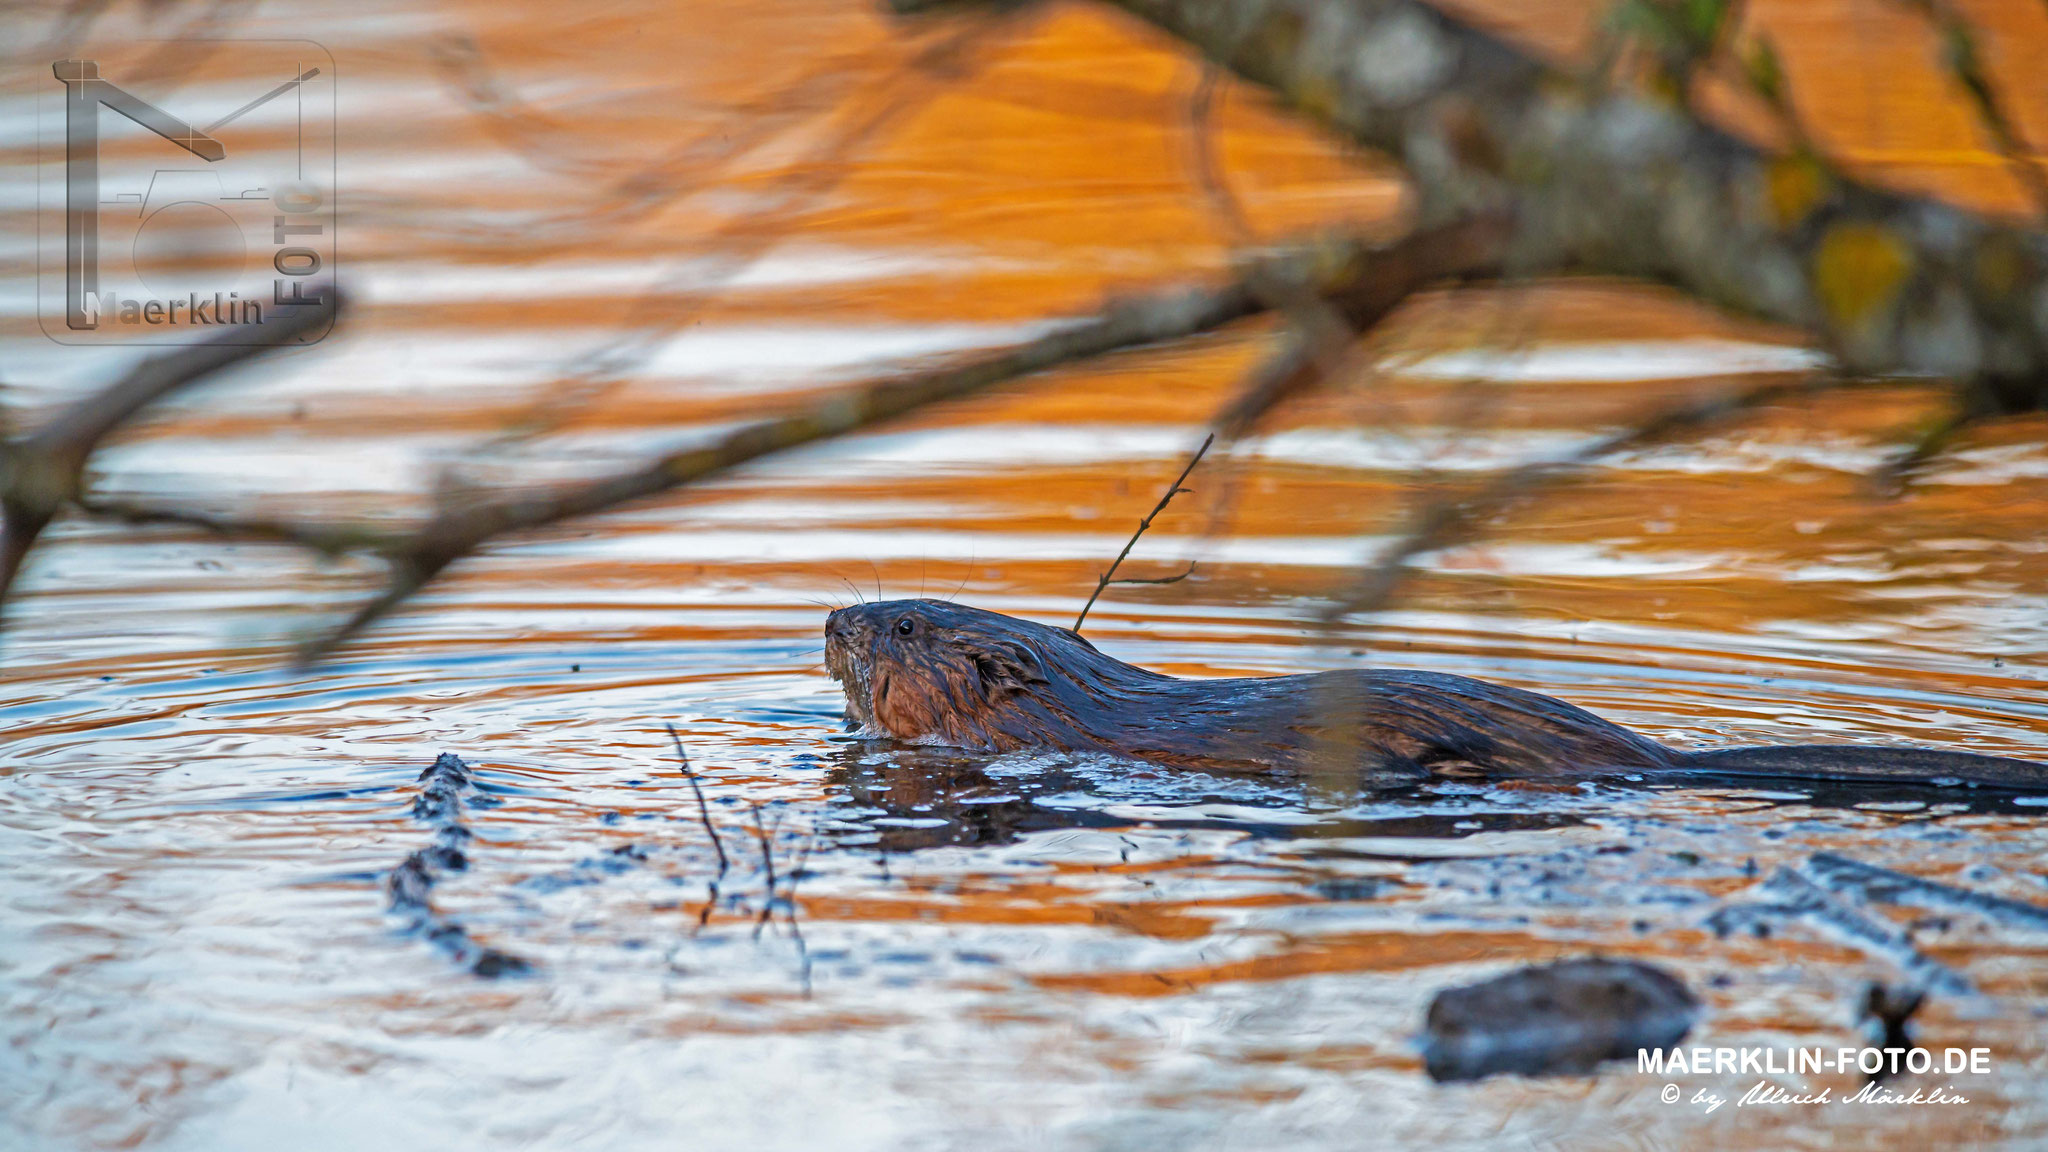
[[158, 226]]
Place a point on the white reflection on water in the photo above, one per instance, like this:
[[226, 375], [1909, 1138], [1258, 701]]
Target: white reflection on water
[[1615, 361]]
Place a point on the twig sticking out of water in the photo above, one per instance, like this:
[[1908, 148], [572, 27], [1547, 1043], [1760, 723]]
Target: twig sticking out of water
[[782, 888], [710, 829], [796, 932], [1886, 1012], [767, 867], [703, 809], [1172, 490]]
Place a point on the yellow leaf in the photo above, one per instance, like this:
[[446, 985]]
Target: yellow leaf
[[1857, 271], [1796, 185]]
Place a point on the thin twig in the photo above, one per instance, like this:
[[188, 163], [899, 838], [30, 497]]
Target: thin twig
[[711, 830], [728, 251], [1966, 67], [1448, 520], [1969, 407], [703, 808], [1387, 276], [1174, 579], [329, 540], [1172, 490], [466, 518], [1208, 163], [796, 932]]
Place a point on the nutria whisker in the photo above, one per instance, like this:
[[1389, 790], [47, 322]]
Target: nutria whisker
[[935, 672]]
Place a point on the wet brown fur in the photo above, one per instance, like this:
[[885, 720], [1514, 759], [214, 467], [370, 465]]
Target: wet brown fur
[[935, 672]]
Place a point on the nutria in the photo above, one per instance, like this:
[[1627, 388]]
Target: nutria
[[937, 673]]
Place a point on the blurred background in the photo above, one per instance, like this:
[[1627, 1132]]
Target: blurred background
[[571, 237]]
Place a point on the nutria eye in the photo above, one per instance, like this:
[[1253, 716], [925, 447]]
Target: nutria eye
[[905, 627]]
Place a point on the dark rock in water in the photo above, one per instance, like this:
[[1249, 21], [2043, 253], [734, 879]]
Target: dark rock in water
[[1555, 1019]]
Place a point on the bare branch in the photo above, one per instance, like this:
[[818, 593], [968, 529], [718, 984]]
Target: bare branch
[[1208, 163], [328, 540], [42, 472], [1631, 185], [75, 432], [463, 524], [1386, 276], [1172, 490]]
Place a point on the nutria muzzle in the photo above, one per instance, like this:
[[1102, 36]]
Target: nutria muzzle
[[935, 672]]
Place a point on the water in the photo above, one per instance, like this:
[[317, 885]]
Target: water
[[1026, 952]]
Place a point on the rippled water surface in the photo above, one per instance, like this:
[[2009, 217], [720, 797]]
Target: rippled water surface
[[1030, 951]]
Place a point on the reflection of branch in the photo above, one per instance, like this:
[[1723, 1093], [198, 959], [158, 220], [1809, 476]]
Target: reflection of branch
[[796, 931], [1172, 490], [768, 870], [1450, 519]]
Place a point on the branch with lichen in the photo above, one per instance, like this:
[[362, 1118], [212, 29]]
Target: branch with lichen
[[1620, 182]]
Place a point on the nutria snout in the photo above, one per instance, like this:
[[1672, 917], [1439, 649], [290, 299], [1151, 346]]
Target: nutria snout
[[934, 672]]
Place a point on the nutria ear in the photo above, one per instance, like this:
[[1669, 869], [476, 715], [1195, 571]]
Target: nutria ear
[[1005, 669]]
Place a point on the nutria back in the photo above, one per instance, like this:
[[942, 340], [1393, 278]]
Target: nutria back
[[934, 672]]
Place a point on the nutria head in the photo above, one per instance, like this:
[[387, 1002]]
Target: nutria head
[[934, 672]]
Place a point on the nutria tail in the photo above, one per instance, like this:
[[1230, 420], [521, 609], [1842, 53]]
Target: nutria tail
[[1854, 763]]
